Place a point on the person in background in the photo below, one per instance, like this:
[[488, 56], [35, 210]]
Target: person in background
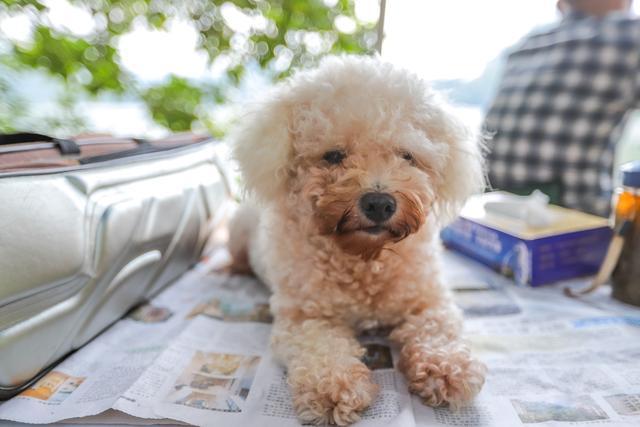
[[563, 98]]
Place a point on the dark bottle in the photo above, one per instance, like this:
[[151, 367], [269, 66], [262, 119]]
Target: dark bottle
[[625, 280]]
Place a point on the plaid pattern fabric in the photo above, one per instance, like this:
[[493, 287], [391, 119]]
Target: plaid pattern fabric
[[563, 98]]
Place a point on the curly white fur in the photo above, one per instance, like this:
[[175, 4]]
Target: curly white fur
[[309, 241]]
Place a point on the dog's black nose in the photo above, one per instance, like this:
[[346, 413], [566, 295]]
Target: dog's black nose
[[378, 207]]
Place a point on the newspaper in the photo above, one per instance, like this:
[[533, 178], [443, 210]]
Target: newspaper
[[198, 354], [552, 360]]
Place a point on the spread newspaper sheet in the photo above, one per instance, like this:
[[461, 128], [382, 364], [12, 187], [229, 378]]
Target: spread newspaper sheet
[[199, 354]]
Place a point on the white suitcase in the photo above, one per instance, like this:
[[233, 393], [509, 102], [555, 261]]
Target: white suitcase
[[82, 244]]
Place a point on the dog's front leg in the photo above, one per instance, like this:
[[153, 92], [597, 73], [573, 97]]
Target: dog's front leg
[[328, 380], [436, 362]]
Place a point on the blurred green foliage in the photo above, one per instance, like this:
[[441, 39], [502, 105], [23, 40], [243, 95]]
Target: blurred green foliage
[[281, 34], [174, 104]]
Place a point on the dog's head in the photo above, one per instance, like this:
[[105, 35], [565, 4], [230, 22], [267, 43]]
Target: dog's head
[[360, 151]]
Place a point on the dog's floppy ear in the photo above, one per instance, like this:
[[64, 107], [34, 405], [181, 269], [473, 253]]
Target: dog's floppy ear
[[262, 145], [461, 173]]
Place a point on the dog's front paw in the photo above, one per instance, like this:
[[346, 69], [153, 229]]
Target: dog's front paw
[[443, 375], [334, 395]]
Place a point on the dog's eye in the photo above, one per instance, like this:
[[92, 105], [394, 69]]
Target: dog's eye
[[334, 157], [408, 157]]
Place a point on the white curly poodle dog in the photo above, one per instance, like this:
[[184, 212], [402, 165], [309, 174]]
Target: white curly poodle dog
[[353, 167]]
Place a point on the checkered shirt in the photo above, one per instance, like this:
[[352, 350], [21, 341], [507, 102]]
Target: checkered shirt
[[562, 101]]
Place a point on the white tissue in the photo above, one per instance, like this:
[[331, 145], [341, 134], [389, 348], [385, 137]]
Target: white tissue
[[531, 209]]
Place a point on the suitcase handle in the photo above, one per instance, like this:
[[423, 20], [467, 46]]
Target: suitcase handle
[[65, 146]]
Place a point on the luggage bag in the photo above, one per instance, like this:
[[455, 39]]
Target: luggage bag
[[89, 228]]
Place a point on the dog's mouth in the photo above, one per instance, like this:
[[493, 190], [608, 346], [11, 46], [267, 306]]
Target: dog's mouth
[[372, 230], [359, 236], [367, 240], [345, 226], [376, 229]]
